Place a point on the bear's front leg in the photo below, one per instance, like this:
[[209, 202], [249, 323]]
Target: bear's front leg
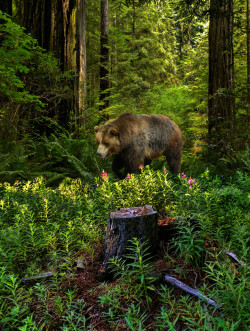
[[133, 165], [117, 165]]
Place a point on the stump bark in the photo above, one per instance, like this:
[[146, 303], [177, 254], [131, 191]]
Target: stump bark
[[127, 223]]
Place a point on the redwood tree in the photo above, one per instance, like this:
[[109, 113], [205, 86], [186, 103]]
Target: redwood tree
[[81, 62], [221, 103], [104, 57], [248, 59], [59, 26]]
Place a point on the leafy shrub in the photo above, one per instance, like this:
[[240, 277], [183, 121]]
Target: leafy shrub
[[29, 80], [55, 158]]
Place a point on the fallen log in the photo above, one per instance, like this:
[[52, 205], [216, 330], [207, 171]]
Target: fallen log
[[127, 223], [37, 277], [190, 290]]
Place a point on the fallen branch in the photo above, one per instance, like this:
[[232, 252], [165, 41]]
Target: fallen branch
[[37, 277], [234, 257], [190, 290]]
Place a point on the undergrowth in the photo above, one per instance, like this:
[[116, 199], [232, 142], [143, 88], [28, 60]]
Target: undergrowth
[[45, 229]]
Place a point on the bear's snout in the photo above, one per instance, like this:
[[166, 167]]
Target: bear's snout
[[102, 151], [100, 154]]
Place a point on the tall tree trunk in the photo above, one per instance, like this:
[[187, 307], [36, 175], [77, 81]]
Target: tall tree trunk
[[6, 6], [248, 61], [35, 17], [104, 57], [221, 103], [82, 62], [53, 24]]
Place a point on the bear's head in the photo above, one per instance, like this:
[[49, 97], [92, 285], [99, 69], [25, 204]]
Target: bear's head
[[107, 138]]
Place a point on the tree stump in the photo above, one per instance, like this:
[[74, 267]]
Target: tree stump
[[127, 223]]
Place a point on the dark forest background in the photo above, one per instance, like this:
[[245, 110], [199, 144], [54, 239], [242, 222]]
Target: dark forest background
[[67, 65]]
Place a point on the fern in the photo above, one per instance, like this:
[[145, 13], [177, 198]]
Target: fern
[[13, 164], [63, 155]]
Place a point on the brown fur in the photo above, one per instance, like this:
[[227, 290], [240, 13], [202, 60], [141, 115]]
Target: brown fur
[[137, 139]]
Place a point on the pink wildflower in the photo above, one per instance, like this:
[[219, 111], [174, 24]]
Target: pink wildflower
[[183, 176], [140, 166], [104, 175], [165, 170], [128, 176], [191, 182], [45, 200]]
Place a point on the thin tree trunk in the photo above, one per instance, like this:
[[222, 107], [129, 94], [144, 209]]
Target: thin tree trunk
[[248, 61], [104, 57], [221, 103], [82, 62]]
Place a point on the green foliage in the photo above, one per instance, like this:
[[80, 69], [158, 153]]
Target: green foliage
[[66, 157], [13, 160], [175, 101], [141, 42], [154, 188], [134, 287], [14, 315], [43, 228], [15, 52], [232, 288], [53, 157], [30, 79], [190, 244], [34, 227]]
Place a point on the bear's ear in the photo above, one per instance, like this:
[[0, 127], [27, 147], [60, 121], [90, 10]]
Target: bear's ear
[[96, 128], [114, 132]]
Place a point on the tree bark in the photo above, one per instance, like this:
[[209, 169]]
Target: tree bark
[[248, 61], [127, 223], [221, 103], [104, 57], [82, 62], [53, 24]]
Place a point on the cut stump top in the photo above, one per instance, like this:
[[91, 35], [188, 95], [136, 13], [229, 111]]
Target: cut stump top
[[132, 212]]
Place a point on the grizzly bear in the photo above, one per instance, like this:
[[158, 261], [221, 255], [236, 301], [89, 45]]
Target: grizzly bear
[[137, 139]]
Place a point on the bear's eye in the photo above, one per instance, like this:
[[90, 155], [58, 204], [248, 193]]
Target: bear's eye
[[106, 144]]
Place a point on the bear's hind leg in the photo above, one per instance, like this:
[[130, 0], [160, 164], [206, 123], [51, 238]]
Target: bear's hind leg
[[174, 162]]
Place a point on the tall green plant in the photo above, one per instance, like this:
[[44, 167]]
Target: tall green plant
[[134, 272]]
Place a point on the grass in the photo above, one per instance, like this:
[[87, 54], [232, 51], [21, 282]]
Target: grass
[[45, 229]]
